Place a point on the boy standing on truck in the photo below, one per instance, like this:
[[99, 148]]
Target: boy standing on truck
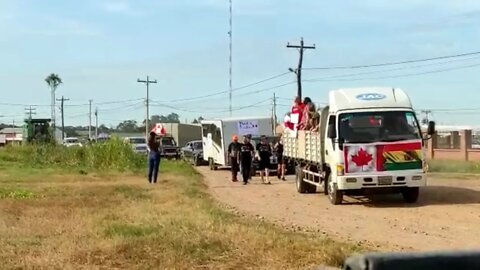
[[264, 151], [233, 153], [246, 155]]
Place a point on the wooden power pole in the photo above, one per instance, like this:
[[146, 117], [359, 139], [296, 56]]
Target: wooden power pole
[[147, 104], [301, 48], [62, 103]]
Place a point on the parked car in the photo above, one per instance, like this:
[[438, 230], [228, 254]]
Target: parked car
[[139, 144], [193, 152], [72, 141], [169, 148]]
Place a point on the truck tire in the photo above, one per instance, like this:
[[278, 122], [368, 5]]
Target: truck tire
[[410, 195], [303, 187], [335, 196], [325, 183]]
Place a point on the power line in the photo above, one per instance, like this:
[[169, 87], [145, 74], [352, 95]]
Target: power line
[[395, 63], [233, 90], [213, 111], [147, 82], [389, 70], [397, 76]]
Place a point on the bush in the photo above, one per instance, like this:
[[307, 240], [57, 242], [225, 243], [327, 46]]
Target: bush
[[451, 166], [113, 154]]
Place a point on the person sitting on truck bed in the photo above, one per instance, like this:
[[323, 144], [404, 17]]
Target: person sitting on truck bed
[[307, 104], [314, 119], [264, 151], [234, 154], [297, 109]]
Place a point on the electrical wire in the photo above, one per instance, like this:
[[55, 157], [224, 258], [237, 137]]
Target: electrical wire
[[397, 76], [394, 63], [389, 70]]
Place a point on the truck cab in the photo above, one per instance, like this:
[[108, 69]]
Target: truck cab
[[370, 140]]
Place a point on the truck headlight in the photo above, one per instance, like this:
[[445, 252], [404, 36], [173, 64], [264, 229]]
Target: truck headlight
[[340, 169]]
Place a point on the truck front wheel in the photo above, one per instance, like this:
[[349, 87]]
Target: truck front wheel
[[334, 195], [410, 195]]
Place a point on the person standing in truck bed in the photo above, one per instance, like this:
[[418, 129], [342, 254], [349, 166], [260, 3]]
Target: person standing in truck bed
[[246, 156]]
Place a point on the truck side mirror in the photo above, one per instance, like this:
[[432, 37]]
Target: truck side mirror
[[332, 132], [431, 128]]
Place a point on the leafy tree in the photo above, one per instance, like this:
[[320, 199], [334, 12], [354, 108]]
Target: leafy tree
[[127, 126], [198, 120], [53, 81]]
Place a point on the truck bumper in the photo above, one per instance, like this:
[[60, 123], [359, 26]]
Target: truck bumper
[[397, 180]]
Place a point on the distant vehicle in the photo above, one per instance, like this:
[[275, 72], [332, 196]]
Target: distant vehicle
[[72, 141], [139, 144], [168, 147], [193, 152], [217, 135]]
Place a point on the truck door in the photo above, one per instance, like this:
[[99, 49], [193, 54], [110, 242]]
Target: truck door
[[330, 145]]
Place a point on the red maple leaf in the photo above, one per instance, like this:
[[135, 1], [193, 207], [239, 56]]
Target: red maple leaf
[[362, 158]]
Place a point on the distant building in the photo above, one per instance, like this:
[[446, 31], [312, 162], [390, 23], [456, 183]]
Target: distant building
[[12, 135]]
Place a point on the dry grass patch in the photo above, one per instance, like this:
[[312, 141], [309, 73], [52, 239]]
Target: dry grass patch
[[88, 222]]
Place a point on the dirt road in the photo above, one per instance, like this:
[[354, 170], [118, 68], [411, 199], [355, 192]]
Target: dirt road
[[447, 215]]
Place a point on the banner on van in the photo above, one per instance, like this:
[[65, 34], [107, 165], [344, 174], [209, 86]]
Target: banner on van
[[247, 127]]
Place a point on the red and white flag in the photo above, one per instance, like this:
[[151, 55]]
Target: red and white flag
[[159, 129], [361, 159]]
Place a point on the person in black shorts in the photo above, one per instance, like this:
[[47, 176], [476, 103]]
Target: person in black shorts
[[246, 156], [264, 151], [278, 150]]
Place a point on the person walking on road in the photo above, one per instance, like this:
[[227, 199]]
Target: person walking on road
[[234, 154], [246, 156], [264, 152], [153, 158], [278, 150]]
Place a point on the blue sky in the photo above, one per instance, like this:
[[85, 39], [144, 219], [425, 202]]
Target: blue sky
[[100, 48]]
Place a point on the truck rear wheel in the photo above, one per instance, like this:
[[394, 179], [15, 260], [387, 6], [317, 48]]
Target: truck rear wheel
[[410, 195], [302, 186], [334, 195]]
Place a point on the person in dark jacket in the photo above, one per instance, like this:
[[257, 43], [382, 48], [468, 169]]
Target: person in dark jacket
[[278, 150], [234, 155], [246, 156], [153, 158]]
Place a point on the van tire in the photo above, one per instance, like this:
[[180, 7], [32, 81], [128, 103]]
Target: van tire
[[210, 164]]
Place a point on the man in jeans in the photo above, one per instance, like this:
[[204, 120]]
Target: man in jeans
[[234, 155]]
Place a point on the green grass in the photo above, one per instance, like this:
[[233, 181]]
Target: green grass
[[451, 166], [53, 216]]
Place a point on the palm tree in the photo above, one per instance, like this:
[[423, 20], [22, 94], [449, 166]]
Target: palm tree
[[53, 81]]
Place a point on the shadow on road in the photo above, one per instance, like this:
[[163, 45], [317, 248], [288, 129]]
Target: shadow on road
[[431, 195]]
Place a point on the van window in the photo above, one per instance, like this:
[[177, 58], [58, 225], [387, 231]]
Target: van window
[[215, 131]]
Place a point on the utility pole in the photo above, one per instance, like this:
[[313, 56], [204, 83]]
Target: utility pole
[[301, 48], [147, 104], [62, 102], [425, 120], [230, 34], [90, 120], [30, 111], [96, 124]]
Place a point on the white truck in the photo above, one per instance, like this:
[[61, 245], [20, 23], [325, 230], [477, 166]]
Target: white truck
[[369, 141], [217, 135]]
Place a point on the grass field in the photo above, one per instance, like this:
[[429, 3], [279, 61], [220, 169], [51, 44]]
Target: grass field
[[451, 166], [63, 217]]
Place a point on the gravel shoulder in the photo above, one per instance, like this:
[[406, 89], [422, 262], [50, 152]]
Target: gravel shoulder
[[446, 216]]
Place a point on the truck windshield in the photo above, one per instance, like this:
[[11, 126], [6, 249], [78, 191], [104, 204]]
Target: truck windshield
[[386, 126]]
